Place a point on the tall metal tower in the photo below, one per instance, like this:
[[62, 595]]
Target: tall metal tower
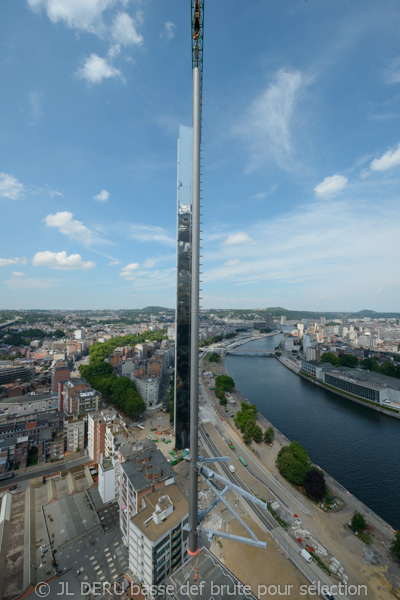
[[197, 464], [197, 75]]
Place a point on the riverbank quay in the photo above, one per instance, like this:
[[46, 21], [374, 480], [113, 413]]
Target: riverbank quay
[[369, 563], [295, 368]]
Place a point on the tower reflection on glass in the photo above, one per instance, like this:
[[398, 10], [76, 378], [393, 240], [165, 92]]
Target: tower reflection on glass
[[182, 337]]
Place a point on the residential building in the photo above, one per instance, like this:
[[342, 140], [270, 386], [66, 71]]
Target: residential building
[[59, 372], [106, 480], [157, 539], [97, 426], [78, 397], [144, 471], [149, 389], [74, 433]]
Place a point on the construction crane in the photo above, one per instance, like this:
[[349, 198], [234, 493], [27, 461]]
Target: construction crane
[[197, 33], [197, 76], [196, 463]]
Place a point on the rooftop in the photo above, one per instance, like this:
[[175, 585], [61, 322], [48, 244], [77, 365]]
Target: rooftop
[[214, 580], [370, 378], [156, 468], [171, 494]]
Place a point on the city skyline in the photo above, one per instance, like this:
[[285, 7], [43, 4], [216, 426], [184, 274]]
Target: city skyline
[[300, 152]]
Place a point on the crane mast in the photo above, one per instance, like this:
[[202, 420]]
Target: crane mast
[[197, 34], [197, 467], [197, 72]]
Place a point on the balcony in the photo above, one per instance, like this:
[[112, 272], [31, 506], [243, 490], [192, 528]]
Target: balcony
[[177, 544]]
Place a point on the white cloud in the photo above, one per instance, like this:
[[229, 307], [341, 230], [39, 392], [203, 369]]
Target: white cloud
[[146, 233], [238, 238], [10, 187], [169, 31], [322, 248], [71, 227], [390, 159], [124, 30], [330, 186], [159, 279], [21, 283], [5, 262], [35, 105], [78, 14], [392, 74], [17, 274], [113, 262], [36, 189], [114, 51], [95, 69], [232, 262], [103, 196], [267, 125], [128, 271], [61, 261]]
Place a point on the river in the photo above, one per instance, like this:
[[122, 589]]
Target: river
[[356, 445]]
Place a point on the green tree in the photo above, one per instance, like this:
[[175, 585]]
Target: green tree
[[59, 333], [329, 357], [370, 364], [219, 392], [299, 453], [269, 435], [348, 360], [291, 468], [314, 484], [225, 382], [213, 357], [396, 545], [257, 434], [358, 521]]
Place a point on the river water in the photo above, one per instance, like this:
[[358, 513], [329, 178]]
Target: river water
[[357, 446]]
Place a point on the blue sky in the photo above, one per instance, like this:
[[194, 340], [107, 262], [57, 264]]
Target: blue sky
[[301, 147]]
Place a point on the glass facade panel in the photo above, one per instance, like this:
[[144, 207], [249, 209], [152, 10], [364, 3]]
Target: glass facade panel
[[353, 388], [184, 255]]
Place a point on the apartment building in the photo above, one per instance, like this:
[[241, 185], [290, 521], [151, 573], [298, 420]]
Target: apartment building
[[76, 397], [74, 433], [144, 471], [96, 436], [149, 388], [107, 483], [157, 539], [59, 372]]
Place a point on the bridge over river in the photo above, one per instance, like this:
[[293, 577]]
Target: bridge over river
[[242, 351]]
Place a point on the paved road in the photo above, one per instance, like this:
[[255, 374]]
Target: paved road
[[311, 571], [289, 501], [290, 547], [54, 468]]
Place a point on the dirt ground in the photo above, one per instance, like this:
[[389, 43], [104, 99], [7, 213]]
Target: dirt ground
[[268, 572]]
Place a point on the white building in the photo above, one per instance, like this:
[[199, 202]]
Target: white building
[[74, 433], [79, 334], [144, 471], [157, 539], [149, 389], [106, 480]]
